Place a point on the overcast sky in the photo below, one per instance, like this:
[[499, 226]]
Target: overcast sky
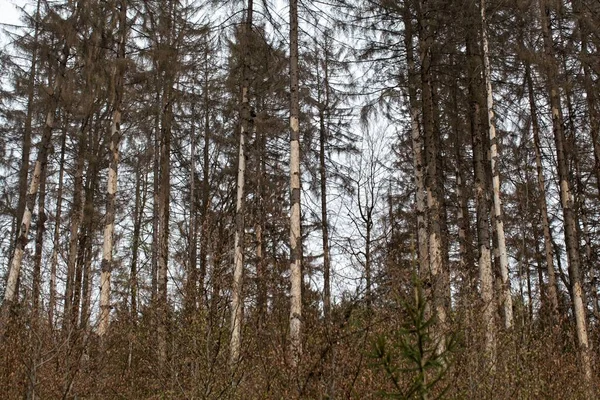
[[9, 13]]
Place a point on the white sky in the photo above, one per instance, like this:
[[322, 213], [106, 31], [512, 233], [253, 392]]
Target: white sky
[[9, 12]]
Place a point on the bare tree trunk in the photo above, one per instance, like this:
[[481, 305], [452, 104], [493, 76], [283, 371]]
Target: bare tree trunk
[[435, 245], [27, 129], [584, 31], [39, 242], [486, 276], [261, 264], [204, 238], [417, 144], [565, 194], [237, 298], [57, 218], [494, 158], [465, 234], [118, 72], [83, 281], [155, 208], [77, 211], [295, 234], [191, 283], [138, 214], [324, 108], [163, 237], [541, 181], [10, 293]]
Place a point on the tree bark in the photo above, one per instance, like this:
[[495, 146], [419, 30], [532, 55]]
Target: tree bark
[[295, 227], [486, 276], [118, 72], [417, 144], [237, 298], [39, 245], [323, 100], [10, 293], [191, 282], [27, 129], [566, 199], [435, 245], [57, 220], [552, 288], [138, 214], [494, 159], [77, 212], [465, 234]]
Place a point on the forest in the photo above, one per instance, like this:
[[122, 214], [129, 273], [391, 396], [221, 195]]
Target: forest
[[268, 199]]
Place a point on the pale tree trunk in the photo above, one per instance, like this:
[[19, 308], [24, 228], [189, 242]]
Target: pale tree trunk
[[118, 72], [570, 228], [435, 245], [486, 276], [23, 173], [552, 291], [27, 129], [81, 236], [10, 293], [37, 264], [494, 158], [295, 234], [417, 144], [237, 298]]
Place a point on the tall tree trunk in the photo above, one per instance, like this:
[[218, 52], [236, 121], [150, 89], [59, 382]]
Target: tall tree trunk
[[261, 263], [10, 292], [417, 144], [83, 275], [295, 234], [191, 282], [39, 245], [138, 215], [57, 220], [204, 238], [494, 158], [27, 129], [118, 72], [585, 33], [465, 234], [323, 101], [436, 261], [566, 199], [164, 211], [486, 276], [541, 182], [77, 212], [167, 76], [155, 207], [237, 298]]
